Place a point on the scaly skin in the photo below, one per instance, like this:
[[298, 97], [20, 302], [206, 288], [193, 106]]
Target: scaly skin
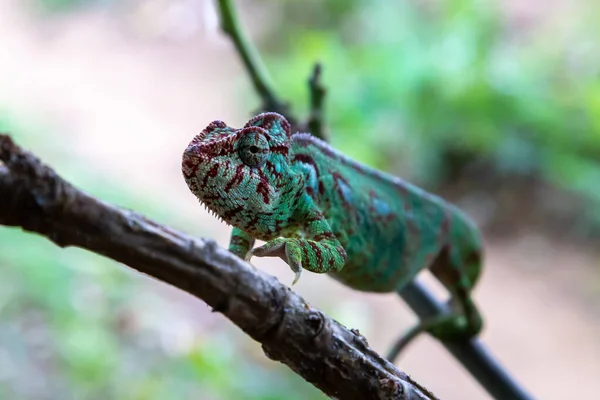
[[319, 210]]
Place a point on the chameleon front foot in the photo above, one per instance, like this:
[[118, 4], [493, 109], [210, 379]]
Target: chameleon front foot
[[247, 258], [285, 249]]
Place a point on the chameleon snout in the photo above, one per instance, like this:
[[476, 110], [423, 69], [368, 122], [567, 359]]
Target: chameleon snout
[[192, 157]]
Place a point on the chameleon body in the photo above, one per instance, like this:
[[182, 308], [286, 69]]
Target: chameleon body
[[319, 210]]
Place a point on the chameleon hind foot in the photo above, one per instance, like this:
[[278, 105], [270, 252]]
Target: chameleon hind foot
[[442, 327], [283, 248], [247, 258]]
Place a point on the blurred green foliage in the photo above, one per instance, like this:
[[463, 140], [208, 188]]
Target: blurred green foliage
[[439, 89], [53, 6]]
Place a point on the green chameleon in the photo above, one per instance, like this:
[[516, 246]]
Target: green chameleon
[[319, 210]]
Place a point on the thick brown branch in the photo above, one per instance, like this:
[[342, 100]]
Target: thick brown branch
[[336, 360]]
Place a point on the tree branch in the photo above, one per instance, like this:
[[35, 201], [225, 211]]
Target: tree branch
[[336, 360], [471, 353]]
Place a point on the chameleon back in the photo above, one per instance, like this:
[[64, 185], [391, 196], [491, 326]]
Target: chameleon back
[[389, 228]]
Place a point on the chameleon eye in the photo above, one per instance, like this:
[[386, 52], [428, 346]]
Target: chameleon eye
[[253, 148]]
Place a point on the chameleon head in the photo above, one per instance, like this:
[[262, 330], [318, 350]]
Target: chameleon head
[[240, 173]]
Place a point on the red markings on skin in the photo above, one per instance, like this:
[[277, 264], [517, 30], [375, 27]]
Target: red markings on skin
[[224, 147], [330, 263], [267, 120], [237, 179], [214, 125], [290, 189], [322, 236], [263, 189], [306, 159], [317, 250], [193, 186], [389, 218], [279, 225], [383, 218], [212, 172], [337, 177], [313, 217], [272, 170], [372, 197], [282, 149], [189, 167], [227, 216], [252, 225], [213, 148]]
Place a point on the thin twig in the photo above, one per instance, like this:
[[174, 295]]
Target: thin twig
[[336, 360], [471, 353], [230, 23], [317, 95]]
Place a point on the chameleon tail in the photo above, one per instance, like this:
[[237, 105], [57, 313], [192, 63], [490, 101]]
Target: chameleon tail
[[457, 267]]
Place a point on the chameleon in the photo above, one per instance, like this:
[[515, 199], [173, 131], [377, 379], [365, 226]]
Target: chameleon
[[319, 210]]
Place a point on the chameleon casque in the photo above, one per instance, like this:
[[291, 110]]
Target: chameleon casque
[[319, 210]]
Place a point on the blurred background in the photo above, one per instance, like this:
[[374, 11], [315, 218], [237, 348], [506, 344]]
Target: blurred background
[[495, 105]]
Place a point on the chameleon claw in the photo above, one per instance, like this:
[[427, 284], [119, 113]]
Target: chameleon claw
[[279, 248], [297, 276], [248, 257]]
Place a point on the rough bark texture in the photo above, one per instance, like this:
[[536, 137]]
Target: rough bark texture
[[336, 360]]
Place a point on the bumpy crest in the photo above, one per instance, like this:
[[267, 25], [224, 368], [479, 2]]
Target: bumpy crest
[[277, 126], [241, 174]]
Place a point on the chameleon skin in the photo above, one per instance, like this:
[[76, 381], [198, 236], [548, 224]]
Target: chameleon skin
[[319, 210]]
